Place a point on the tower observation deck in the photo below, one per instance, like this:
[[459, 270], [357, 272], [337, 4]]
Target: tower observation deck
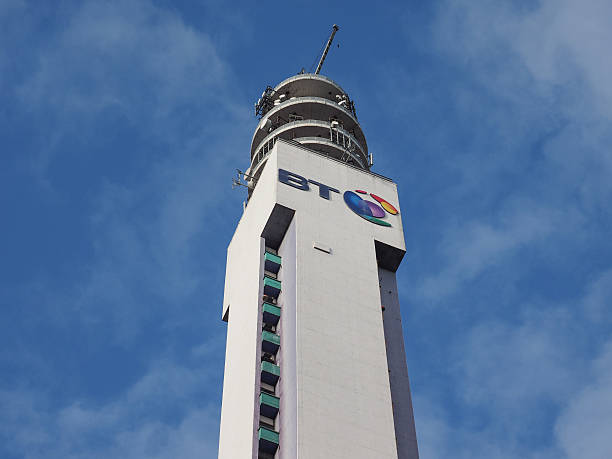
[[314, 111]]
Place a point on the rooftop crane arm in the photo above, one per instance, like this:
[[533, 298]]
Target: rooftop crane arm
[[329, 42]]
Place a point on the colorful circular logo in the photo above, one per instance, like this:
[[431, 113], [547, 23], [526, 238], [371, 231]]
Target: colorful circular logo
[[367, 209]]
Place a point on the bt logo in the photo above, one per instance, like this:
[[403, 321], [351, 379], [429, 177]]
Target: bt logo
[[367, 210]]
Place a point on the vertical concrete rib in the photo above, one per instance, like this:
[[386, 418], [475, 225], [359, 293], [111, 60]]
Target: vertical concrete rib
[[403, 418], [288, 382], [257, 382]]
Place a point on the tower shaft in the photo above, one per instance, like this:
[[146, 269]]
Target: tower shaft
[[315, 363]]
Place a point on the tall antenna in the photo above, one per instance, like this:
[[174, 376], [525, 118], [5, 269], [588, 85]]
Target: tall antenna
[[329, 42]]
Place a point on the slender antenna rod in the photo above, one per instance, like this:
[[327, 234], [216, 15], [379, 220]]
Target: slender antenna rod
[[329, 42]]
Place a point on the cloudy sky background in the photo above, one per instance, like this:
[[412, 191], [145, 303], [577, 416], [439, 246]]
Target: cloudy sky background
[[122, 123]]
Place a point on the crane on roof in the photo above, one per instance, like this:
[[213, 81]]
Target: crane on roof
[[329, 42]]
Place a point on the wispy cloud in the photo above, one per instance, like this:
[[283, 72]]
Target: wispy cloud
[[130, 55], [140, 70], [583, 428], [470, 248], [132, 89], [525, 388], [598, 300], [530, 165], [517, 255], [119, 66], [159, 417]]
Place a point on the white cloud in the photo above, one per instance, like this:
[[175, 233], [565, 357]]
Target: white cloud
[[558, 42], [158, 417], [562, 37], [523, 198], [123, 63], [440, 436], [543, 96], [470, 248], [143, 64], [511, 367], [165, 80], [128, 55], [508, 382], [583, 428], [598, 299], [546, 64], [525, 189], [148, 244], [534, 375]]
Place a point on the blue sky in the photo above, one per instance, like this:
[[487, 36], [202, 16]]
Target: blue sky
[[122, 123]]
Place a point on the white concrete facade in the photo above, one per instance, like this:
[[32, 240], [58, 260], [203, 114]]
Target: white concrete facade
[[335, 387]]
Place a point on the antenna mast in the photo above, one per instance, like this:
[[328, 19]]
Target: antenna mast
[[329, 42]]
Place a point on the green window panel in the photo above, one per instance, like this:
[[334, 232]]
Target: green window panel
[[272, 258], [272, 262], [272, 308], [271, 314], [270, 342], [272, 287], [269, 282], [269, 405], [271, 337], [269, 367], [268, 435], [270, 400]]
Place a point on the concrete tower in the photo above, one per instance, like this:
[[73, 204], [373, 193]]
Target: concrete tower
[[315, 364]]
